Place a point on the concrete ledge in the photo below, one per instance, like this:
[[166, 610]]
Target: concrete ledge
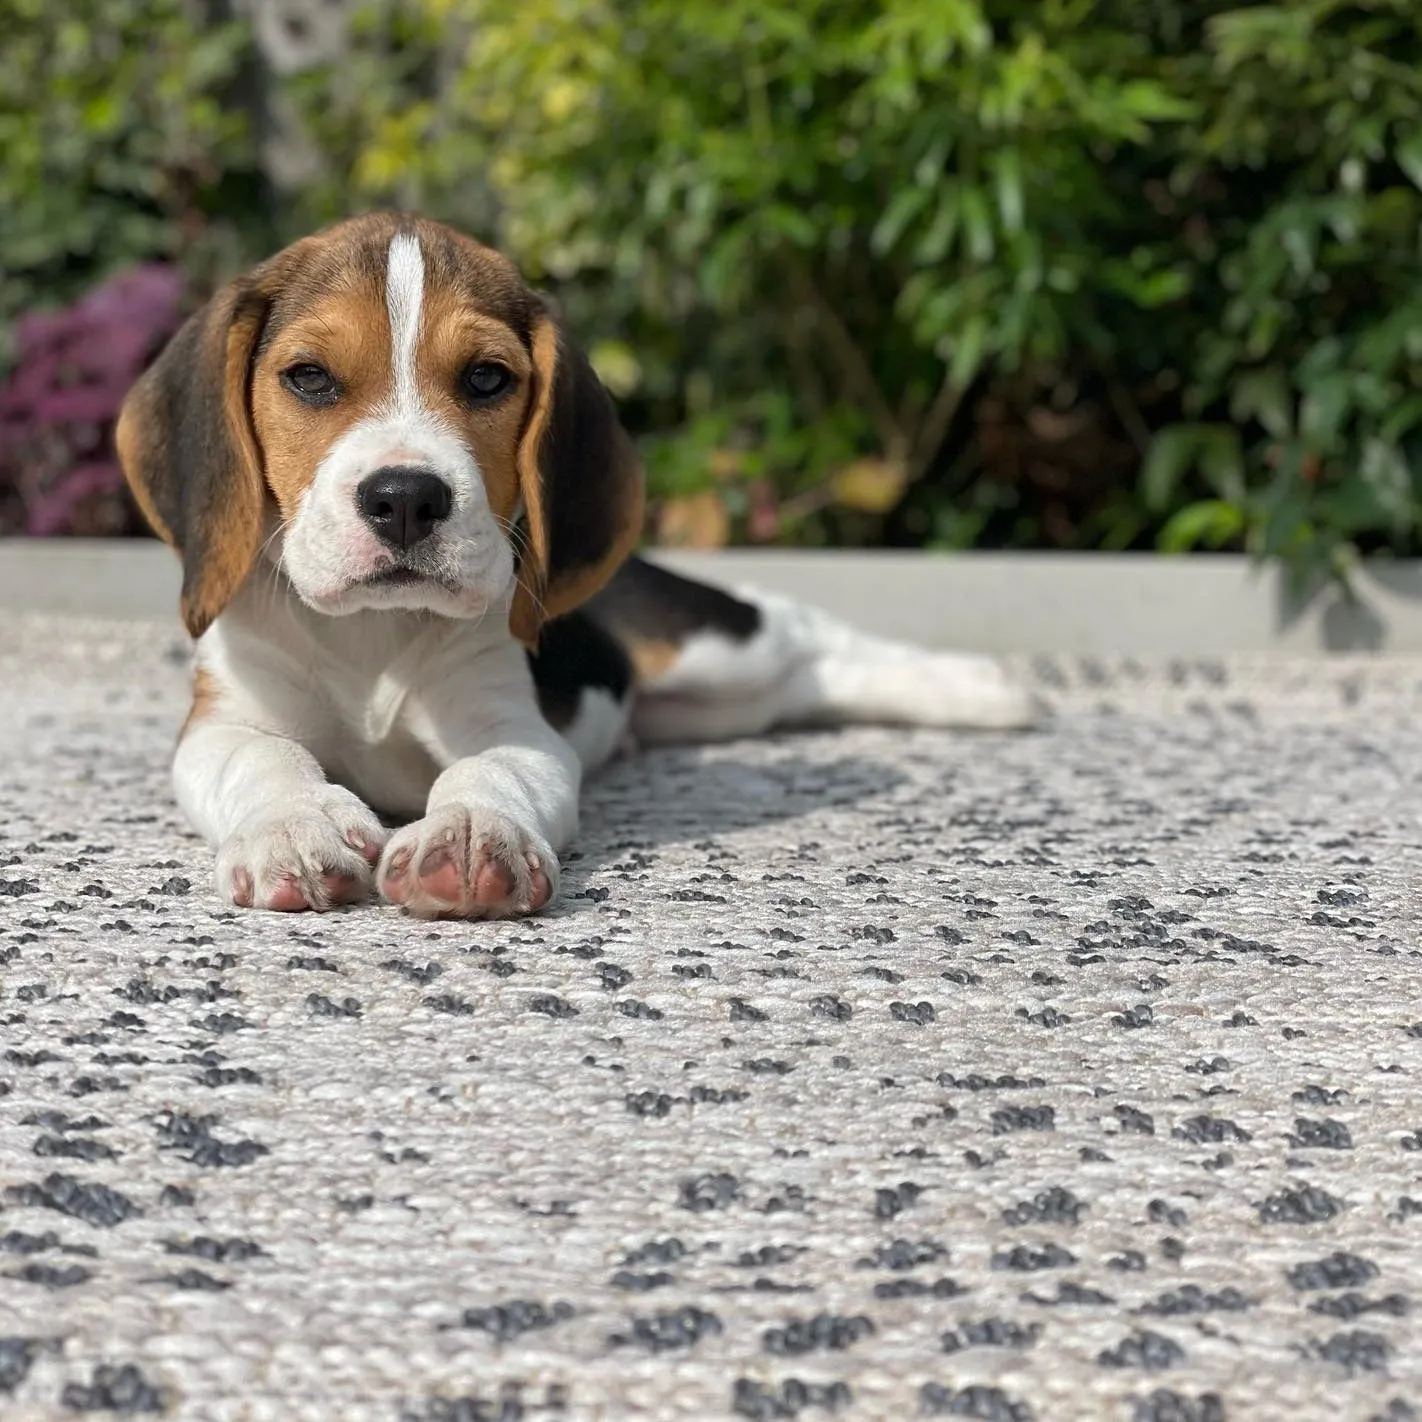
[[1141, 604]]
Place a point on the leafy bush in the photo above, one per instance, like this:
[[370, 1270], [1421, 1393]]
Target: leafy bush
[[1303, 386], [1071, 273], [121, 143], [806, 232], [1041, 272]]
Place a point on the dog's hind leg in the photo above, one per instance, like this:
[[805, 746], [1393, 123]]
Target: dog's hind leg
[[710, 665]]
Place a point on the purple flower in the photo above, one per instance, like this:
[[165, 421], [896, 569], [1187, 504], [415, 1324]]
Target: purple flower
[[58, 472]]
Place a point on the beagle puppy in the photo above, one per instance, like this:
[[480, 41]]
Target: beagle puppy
[[406, 514]]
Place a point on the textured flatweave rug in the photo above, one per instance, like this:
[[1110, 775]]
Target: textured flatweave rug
[[875, 1075]]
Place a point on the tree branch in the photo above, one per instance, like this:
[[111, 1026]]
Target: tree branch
[[853, 367], [933, 428]]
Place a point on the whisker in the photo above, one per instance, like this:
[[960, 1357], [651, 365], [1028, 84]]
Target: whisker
[[273, 568], [522, 543]]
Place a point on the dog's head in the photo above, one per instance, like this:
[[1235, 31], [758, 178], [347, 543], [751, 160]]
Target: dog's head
[[387, 411]]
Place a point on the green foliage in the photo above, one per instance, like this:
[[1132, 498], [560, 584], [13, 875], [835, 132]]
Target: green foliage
[[1127, 273], [813, 225], [1310, 368], [117, 142], [1075, 273]]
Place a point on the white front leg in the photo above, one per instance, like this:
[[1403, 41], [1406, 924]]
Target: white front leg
[[497, 816], [285, 837]]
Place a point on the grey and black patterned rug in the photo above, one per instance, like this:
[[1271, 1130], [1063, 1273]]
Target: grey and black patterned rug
[[866, 1076]]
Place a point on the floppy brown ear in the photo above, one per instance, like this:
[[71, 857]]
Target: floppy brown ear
[[190, 454], [580, 482]]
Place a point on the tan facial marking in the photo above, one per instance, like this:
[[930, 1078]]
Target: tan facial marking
[[347, 333], [452, 338]]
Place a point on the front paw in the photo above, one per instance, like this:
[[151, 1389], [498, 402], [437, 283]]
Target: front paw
[[459, 863], [311, 857]]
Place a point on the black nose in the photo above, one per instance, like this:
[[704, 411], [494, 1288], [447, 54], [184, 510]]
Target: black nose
[[403, 505]]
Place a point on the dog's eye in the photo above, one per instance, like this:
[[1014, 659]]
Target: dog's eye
[[310, 382], [486, 380]]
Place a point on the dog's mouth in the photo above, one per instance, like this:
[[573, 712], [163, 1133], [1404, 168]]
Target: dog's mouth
[[403, 585], [399, 585], [398, 577]]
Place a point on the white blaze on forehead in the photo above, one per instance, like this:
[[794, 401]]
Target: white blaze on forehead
[[404, 296]]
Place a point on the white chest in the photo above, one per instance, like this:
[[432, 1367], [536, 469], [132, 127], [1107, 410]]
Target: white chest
[[355, 691]]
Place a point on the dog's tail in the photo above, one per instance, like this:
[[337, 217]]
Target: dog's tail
[[709, 665]]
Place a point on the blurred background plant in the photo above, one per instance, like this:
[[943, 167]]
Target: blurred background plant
[[943, 273]]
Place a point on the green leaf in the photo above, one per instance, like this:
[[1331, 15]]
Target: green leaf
[[1210, 523], [792, 224], [968, 352], [1326, 404], [937, 241], [1384, 471], [905, 205], [977, 224], [1408, 153], [1221, 458], [1264, 395], [1402, 420], [1170, 457], [1007, 170], [1147, 99]]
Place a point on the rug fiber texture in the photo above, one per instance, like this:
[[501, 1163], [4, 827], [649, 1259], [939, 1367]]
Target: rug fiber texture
[[876, 1075]]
